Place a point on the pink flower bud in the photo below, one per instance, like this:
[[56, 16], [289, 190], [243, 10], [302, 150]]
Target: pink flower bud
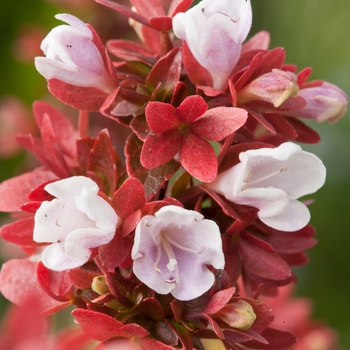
[[76, 61], [275, 87], [214, 32], [239, 314], [324, 102]]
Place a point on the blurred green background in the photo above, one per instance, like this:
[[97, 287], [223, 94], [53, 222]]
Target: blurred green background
[[314, 33]]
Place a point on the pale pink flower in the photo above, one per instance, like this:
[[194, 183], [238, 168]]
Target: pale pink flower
[[74, 222], [324, 102], [214, 31], [272, 179], [73, 57], [171, 251]]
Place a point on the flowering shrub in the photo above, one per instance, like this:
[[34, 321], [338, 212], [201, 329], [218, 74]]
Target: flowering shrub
[[179, 239]]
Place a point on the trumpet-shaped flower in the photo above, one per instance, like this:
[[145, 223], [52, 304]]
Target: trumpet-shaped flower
[[74, 222], [76, 62], [272, 179], [214, 31], [171, 251]]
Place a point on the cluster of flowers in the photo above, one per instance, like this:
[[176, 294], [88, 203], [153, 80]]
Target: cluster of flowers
[[178, 241]]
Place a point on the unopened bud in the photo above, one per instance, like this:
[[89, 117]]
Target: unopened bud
[[275, 87], [239, 314], [99, 285], [324, 102]]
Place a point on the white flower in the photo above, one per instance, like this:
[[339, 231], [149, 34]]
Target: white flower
[[272, 179], [172, 249], [72, 56], [76, 221], [214, 31]]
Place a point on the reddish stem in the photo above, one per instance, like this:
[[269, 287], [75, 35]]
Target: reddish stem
[[83, 123]]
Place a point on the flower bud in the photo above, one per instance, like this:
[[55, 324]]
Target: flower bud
[[275, 87], [214, 32], [324, 102], [99, 285], [75, 61], [239, 314]]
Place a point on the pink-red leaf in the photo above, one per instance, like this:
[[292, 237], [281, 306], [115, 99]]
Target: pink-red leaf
[[192, 108], [197, 156], [161, 117], [14, 192], [260, 259], [19, 232], [218, 123]]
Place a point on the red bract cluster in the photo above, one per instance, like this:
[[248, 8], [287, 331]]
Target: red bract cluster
[[153, 247]]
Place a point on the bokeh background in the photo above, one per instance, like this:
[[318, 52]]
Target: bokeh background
[[314, 33]]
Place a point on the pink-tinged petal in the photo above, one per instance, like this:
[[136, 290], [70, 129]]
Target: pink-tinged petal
[[293, 170], [171, 251], [214, 32], [55, 258], [158, 150], [76, 221], [217, 123], [76, 60], [271, 179], [161, 117], [294, 218], [197, 156], [191, 108], [325, 102]]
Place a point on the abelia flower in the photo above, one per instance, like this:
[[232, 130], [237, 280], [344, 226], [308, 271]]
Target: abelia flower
[[172, 249], [272, 179], [76, 60], [185, 131], [214, 32], [76, 221], [323, 102], [274, 87]]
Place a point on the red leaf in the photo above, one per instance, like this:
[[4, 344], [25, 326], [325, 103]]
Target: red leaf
[[129, 198], [102, 161], [219, 300], [80, 278], [192, 108], [197, 156], [18, 279], [159, 149], [79, 97], [124, 11], [161, 117], [116, 251], [14, 192], [262, 63], [166, 72], [163, 23], [305, 133], [282, 126], [277, 340], [218, 123], [98, 325], [260, 259], [65, 133], [56, 284], [19, 232], [130, 51]]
